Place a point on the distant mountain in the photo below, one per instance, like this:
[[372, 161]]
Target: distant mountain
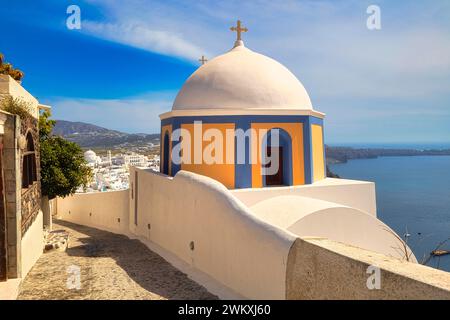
[[96, 137], [343, 154], [66, 128], [91, 136]]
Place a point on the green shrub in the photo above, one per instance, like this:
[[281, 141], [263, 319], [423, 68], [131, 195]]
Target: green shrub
[[16, 106], [63, 168]]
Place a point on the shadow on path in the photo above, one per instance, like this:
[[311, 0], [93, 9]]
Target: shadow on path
[[112, 267]]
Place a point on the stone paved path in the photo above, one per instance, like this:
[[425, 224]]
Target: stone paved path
[[111, 267]]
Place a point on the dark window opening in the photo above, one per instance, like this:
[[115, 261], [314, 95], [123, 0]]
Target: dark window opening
[[277, 167], [275, 179], [166, 154], [29, 169]]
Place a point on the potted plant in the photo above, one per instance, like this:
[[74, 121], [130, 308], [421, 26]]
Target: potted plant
[[7, 69]]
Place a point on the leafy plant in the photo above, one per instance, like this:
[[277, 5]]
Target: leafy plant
[[45, 125], [16, 106], [63, 168], [7, 68]]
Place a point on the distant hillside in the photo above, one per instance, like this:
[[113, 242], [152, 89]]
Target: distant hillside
[[95, 137], [92, 136], [65, 128], [343, 154]]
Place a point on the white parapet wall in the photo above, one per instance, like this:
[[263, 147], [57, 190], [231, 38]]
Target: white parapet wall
[[201, 223], [9, 86], [351, 193], [32, 244], [197, 219], [306, 217], [102, 210]]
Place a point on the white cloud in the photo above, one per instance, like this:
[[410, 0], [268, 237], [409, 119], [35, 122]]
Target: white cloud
[[141, 36], [133, 115], [325, 43], [353, 74]]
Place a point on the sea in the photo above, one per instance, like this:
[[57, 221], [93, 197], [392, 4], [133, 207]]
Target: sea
[[413, 197]]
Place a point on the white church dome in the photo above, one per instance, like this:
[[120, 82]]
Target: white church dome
[[242, 79], [90, 156]]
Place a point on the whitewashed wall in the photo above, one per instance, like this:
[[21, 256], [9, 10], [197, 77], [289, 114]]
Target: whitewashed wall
[[351, 193], [9, 86], [309, 217], [103, 210], [238, 250], [32, 244], [173, 212], [231, 245]]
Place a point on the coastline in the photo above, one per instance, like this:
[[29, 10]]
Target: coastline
[[412, 198], [336, 155]]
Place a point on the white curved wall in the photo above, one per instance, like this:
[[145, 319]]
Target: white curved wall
[[242, 252], [350, 193], [353, 227], [307, 217], [231, 245]]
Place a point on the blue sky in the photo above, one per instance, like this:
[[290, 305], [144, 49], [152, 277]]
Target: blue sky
[[126, 64]]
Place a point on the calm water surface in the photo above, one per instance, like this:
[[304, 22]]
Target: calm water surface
[[413, 196]]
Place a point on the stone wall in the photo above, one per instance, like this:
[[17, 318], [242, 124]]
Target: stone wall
[[12, 178], [3, 249], [31, 196], [324, 269], [21, 205]]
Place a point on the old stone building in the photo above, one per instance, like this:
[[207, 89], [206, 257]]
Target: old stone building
[[21, 219]]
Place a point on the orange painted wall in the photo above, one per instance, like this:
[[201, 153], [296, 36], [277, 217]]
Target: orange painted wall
[[164, 129], [224, 172], [295, 130], [317, 152]]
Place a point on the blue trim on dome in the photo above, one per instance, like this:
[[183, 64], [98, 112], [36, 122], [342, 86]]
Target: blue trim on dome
[[236, 118], [176, 124], [243, 172], [307, 146]]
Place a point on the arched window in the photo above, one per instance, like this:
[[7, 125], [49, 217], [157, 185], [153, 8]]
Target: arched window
[[29, 173], [277, 158]]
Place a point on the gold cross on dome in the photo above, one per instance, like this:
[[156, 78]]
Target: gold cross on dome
[[203, 60], [239, 29]]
